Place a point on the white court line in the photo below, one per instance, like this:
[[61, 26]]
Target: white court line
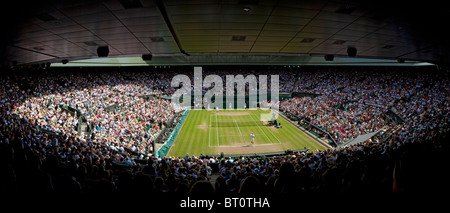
[[238, 127], [235, 135], [217, 130], [209, 132], [273, 135], [261, 130], [249, 145]]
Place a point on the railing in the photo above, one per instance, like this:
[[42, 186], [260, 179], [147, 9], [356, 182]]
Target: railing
[[164, 149], [302, 122], [393, 117], [305, 94], [81, 120]]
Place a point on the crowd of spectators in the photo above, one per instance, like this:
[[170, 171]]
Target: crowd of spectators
[[343, 125], [133, 122], [353, 102], [34, 161]]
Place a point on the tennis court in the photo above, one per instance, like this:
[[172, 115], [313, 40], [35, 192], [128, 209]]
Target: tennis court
[[228, 131]]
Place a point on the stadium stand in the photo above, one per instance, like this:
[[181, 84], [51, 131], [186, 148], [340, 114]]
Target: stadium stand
[[117, 158]]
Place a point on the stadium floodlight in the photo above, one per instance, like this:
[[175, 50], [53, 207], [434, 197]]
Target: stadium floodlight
[[146, 57], [103, 51], [329, 57], [351, 51]]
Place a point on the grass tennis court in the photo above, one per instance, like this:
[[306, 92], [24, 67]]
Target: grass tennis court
[[228, 131]]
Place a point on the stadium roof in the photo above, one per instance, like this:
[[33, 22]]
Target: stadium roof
[[235, 60], [241, 31]]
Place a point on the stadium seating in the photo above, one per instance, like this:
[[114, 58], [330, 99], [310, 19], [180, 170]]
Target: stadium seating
[[37, 161]]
